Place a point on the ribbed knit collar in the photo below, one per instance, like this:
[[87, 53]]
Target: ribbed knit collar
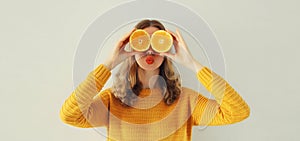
[[147, 91]]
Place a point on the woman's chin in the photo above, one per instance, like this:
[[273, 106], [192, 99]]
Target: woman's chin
[[149, 67]]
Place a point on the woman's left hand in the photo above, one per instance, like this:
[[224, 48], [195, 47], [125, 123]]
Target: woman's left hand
[[182, 54]]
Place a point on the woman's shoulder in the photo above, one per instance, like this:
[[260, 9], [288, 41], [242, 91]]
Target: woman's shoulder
[[105, 94], [189, 92]]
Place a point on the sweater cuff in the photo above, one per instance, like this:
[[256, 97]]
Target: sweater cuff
[[102, 73], [204, 75]]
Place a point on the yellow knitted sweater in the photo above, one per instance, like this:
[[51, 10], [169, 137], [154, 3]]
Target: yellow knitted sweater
[[150, 118]]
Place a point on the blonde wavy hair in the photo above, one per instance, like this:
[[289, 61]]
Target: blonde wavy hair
[[127, 86]]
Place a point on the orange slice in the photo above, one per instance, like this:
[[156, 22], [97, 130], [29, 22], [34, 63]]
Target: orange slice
[[139, 40], [161, 41]]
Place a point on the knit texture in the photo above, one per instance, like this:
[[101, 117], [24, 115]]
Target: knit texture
[[150, 118]]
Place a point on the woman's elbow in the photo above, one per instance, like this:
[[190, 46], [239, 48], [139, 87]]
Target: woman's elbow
[[65, 119], [76, 122], [244, 114], [247, 112]]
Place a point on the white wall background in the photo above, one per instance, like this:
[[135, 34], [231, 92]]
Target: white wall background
[[260, 41]]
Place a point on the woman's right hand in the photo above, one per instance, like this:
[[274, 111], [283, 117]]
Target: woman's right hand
[[119, 54]]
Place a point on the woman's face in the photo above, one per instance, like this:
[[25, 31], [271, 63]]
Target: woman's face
[[150, 60]]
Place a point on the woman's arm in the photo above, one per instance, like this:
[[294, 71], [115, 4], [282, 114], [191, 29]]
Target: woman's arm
[[81, 109], [228, 106]]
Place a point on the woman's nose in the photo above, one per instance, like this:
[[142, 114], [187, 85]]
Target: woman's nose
[[150, 51]]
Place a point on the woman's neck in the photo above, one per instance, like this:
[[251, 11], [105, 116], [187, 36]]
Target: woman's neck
[[146, 77]]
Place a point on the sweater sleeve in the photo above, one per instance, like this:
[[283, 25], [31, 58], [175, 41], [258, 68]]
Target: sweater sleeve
[[228, 106], [83, 108]]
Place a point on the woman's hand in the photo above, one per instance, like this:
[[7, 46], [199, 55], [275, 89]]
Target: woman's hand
[[119, 54], [182, 54]]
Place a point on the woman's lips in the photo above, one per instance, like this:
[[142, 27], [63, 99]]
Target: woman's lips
[[149, 60]]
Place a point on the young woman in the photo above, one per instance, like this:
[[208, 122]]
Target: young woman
[[147, 101]]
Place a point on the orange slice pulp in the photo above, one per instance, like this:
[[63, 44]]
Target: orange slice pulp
[[161, 41], [139, 40]]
